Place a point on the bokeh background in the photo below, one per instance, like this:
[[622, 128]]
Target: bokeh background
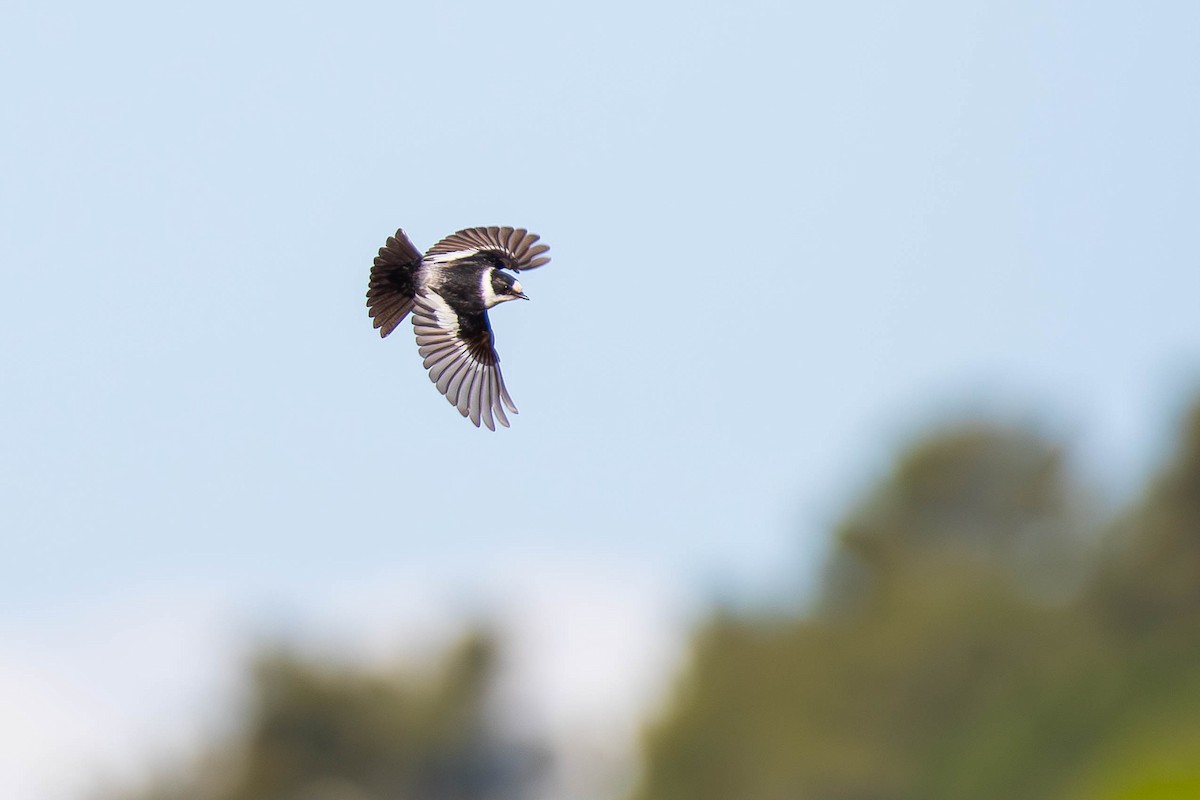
[[858, 455]]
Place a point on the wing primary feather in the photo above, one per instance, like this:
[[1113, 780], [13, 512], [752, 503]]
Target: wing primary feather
[[455, 381], [503, 420], [441, 367], [489, 397], [504, 393], [485, 412], [473, 400], [463, 401]]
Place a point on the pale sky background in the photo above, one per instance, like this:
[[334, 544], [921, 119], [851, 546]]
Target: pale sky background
[[785, 237]]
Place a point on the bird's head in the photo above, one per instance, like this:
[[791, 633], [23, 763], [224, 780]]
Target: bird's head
[[500, 286]]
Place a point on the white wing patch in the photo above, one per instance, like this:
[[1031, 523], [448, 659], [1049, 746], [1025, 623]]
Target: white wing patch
[[454, 255], [471, 383]]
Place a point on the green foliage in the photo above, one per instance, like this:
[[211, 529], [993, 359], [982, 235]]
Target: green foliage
[[1150, 584], [970, 643], [325, 731]]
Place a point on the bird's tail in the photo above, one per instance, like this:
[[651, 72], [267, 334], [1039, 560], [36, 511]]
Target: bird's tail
[[393, 283]]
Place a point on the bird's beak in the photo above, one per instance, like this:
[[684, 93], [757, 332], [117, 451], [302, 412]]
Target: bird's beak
[[522, 295]]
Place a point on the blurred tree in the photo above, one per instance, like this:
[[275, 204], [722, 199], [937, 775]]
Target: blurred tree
[[1151, 578], [1146, 595], [322, 731], [981, 495], [962, 647]]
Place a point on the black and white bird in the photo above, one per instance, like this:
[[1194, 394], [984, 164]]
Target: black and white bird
[[448, 291]]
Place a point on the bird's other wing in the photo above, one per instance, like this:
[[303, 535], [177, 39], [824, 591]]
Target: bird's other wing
[[460, 355], [516, 246], [393, 283]]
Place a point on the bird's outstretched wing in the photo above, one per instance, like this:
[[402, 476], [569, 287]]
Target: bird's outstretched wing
[[516, 246], [460, 355], [393, 283]]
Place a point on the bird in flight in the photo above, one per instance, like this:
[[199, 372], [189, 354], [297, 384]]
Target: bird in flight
[[448, 291]]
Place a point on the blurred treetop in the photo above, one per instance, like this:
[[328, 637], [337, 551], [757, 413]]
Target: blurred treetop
[[319, 730], [979, 636]]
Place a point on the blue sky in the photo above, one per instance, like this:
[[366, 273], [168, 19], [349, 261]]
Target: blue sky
[[784, 237]]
